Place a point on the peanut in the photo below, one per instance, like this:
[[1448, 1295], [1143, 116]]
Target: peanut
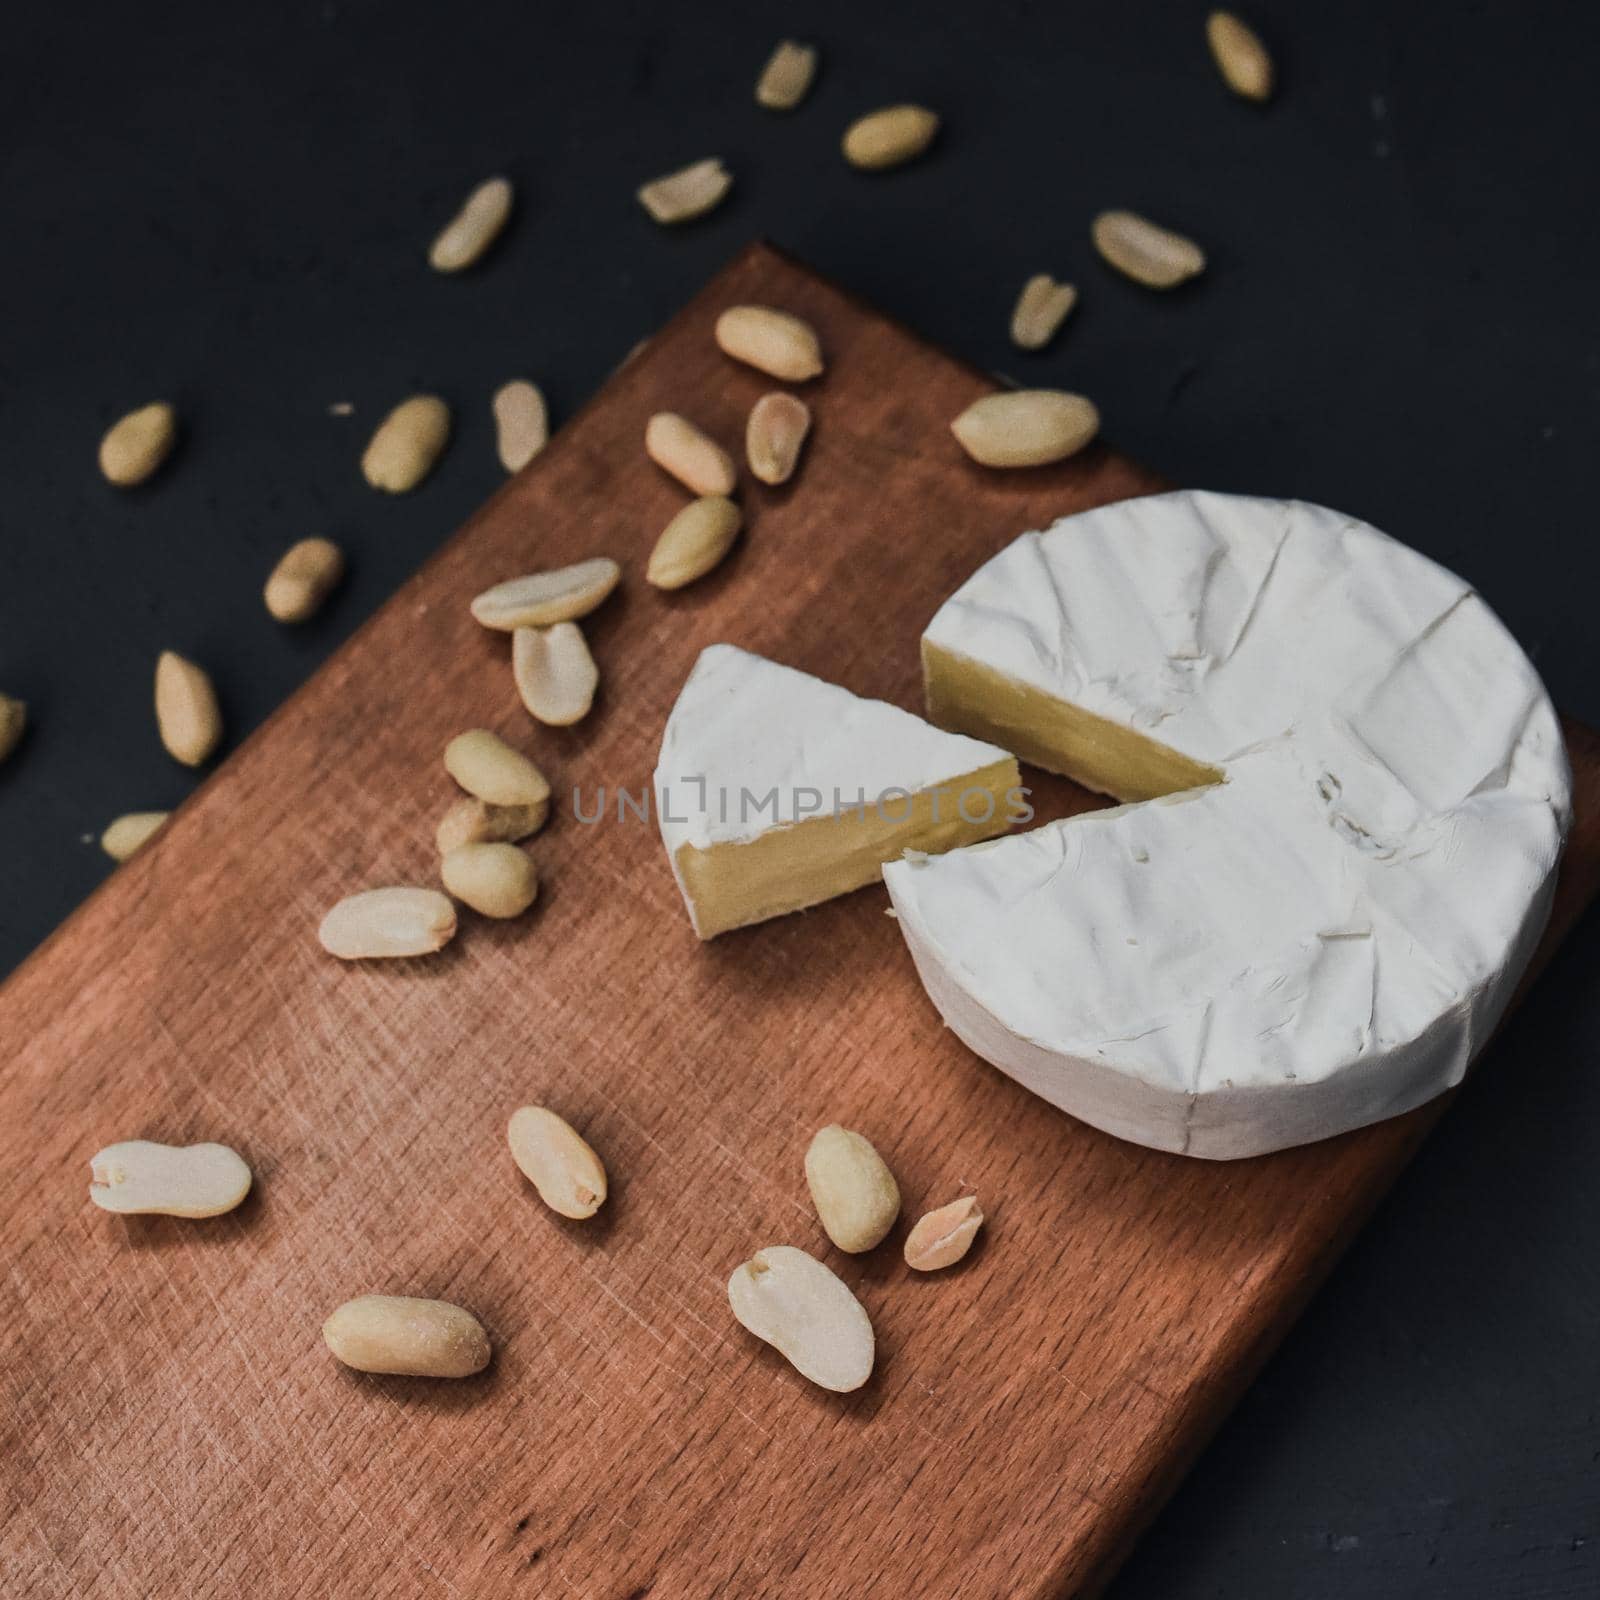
[[473, 821], [1241, 57], [775, 342], [889, 137], [1026, 427], [773, 436], [304, 577], [688, 193], [486, 766], [554, 673], [557, 1160], [496, 880], [139, 1177], [1151, 255], [943, 1237], [1042, 307], [852, 1188], [545, 598], [786, 79], [187, 715], [128, 834], [381, 923], [694, 542], [695, 459], [413, 1338], [793, 1302], [474, 227], [522, 424], [407, 444], [13, 724], [135, 446]]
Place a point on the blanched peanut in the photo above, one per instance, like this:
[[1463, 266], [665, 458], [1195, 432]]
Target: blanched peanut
[[557, 1160], [414, 1338], [852, 1188]]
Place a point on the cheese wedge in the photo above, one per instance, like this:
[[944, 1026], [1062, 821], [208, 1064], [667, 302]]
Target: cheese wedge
[[775, 791], [1354, 795]]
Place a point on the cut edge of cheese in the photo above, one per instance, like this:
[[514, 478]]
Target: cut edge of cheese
[[968, 697], [776, 790]]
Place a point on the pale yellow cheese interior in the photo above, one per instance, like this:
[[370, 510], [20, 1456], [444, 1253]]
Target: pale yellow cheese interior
[[967, 697], [789, 868]]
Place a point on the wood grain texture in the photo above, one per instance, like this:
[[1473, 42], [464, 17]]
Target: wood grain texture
[[169, 1420]]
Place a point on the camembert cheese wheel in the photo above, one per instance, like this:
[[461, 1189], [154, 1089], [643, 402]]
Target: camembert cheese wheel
[[1349, 790]]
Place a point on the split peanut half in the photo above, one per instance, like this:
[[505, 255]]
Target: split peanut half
[[140, 1177], [775, 342], [694, 542], [1026, 427], [774, 435], [786, 79], [545, 598], [522, 423], [382, 924], [407, 444], [943, 1237], [187, 714], [399, 1335], [476, 226], [1041, 308], [793, 1302], [554, 673], [1151, 255], [135, 445], [306, 574], [852, 1188], [692, 456], [558, 1161], [688, 193]]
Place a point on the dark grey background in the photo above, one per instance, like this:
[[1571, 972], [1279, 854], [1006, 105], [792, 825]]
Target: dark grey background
[[228, 205]]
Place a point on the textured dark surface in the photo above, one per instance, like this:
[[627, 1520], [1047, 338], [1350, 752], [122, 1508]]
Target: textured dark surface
[[229, 206]]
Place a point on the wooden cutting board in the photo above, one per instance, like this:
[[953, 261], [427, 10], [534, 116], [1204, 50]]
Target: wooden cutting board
[[171, 1423]]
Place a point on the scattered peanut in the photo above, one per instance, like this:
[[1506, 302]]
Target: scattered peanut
[[1148, 254], [778, 425], [554, 673], [694, 542], [688, 193], [13, 724], [786, 79], [407, 444], [693, 457], [557, 1160], [128, 834], [474, 227], [187, 714], [522, 424], [775, 342], [496, 880], [793, 1302], [411, 1338], [889, 137], [304, 577], [852, 1188], [486, 766], [136, 445], [1241, 57], [381, 923], [1026, 427], [943, 1237], [472, 821], [139, 1177], [1042, 307], [546, 598]]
